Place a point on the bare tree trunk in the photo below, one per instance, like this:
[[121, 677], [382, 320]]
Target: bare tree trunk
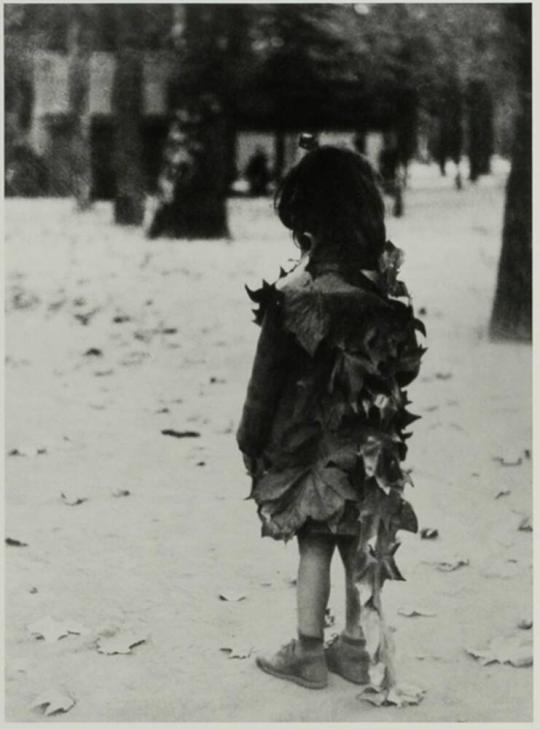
[[79, 49], [512, 311], [192, 195], [127, 109]]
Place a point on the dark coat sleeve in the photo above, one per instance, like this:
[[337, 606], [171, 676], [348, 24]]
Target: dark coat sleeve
[[268, 376]]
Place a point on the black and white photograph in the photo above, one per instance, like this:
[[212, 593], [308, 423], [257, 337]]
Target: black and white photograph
[[268, 362]]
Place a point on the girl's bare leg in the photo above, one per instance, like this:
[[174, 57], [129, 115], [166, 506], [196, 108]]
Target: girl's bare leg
[[313, 587], [347, 549]]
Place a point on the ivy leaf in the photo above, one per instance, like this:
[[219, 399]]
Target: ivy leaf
[[54, 701], [305, 314]]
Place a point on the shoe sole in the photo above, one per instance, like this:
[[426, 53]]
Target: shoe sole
[[290, 677]]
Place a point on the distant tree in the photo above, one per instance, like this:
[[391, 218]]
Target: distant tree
[[512, 310], [127, 111], [480, 126], [79, 45]]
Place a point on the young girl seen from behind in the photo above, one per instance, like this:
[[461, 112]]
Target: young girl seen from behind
[[324, 424]]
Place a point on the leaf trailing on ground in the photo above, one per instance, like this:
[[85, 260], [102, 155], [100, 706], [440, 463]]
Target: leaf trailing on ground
[[410, 612], [428, 533], [54, 701], [231, 596], [181, 433], [398, 695], [121, 643], [515, 649], [15, 542], [52, 630], [118, 493], [237, 651], [71, 500]]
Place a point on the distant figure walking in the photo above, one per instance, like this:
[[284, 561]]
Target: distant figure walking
[[257, 173], [323, 426]]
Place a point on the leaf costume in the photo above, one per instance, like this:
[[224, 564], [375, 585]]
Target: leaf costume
[[325, 416], [325, 421]]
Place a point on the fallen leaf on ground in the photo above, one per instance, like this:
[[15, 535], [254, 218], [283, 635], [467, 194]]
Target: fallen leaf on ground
[[443, 375], [502, 493], [93, 352], [525, 525], [451, 565], [72, 500], [238, 651], [402, 695], [15, 542], [231, 596], [103, 373], [121, 643], [121, 492], [429, 533], [52, 630], [525, 624], [504, 462], [181, 433], [416, 613], [33, 591], [54, 701], [515, 649], [28, 451], [120, 319]]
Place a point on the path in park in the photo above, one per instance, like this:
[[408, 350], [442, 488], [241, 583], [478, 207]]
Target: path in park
[[111, 339]]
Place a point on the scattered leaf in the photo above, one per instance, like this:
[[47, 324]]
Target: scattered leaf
[[54, 701], [231, 596], [93, 352], [162, 411], [502, 493], [28, 451], [103, 373], [525, 624], [121, 643], [33, 591], [51, 630], [121, 492], [443, 375], [410, 612], [73, 500], [515, 649], [238, 651], [169, 330], [504, 462], [15, 542], [181, 433], [121, 319], [201, 463], [525, 525], [428, 533], [451, 565]]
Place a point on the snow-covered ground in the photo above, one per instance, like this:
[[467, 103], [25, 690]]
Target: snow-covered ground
[[169, 324]]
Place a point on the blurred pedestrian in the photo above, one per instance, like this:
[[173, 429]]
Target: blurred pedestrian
[[257, 173], [322, 430]]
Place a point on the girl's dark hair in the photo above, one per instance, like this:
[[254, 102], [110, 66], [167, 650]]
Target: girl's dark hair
[[332, 193]]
